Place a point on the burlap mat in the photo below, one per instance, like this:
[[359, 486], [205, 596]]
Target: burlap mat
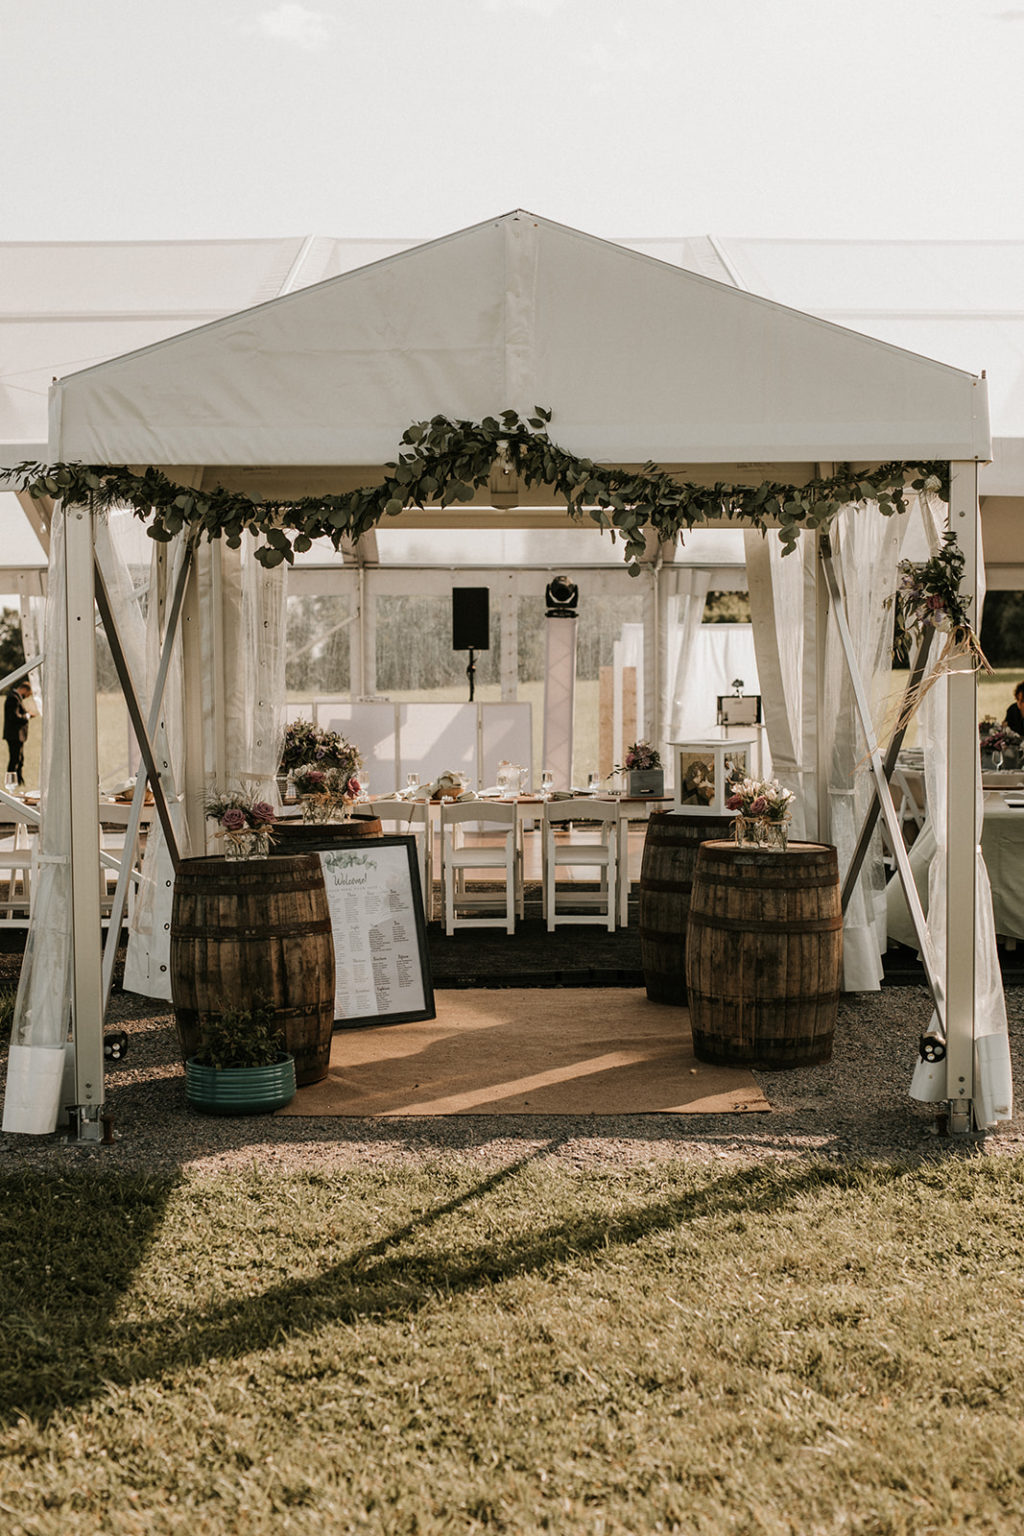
[[520, 1051]]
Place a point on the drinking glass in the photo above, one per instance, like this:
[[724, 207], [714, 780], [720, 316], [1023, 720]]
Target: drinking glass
[[547, 783], [11, 783], [412, 783], [593, 783], [997, 759]]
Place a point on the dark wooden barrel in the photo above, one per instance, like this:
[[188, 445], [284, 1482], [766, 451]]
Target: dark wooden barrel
[[764, 949], [292, 836], [243, 929], [666, 874]]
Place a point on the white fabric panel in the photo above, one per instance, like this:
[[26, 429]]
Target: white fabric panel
[[507, 737], [559, 699], [684, 611], [436, 738], [518, 311], [718, 653], [371, 728]]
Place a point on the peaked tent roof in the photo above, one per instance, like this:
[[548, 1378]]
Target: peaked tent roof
[[637, 358]]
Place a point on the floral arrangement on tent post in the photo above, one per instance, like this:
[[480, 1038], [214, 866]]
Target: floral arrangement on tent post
[[244, 823], [929, 598], [763, 812]]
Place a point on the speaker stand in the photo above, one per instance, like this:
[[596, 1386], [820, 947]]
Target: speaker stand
[[471, 673]]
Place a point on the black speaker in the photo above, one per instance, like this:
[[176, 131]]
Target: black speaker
[[471, 619]]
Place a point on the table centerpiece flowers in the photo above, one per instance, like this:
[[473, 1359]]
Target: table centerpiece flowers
[[1001, 747], [643, 768], [327, 794], [763, 812], [244, 822]]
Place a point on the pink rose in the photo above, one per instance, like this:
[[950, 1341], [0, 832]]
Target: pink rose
[[263, 813], [734, 803], [233, 819], [759, 806], [353, 788]]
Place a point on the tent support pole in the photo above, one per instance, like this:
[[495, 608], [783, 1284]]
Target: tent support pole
[[83, 782], [962, 769], [863, 704]]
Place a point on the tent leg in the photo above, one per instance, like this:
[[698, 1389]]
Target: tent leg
[[86, 969], [961, 830]]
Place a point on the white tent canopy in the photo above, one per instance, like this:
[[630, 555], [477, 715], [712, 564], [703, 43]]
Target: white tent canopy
[[637, 360], [640, 360]]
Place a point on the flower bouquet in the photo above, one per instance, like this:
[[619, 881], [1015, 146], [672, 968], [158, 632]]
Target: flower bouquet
[[642, 763], [327, 794], [763, 812], [244, 822]]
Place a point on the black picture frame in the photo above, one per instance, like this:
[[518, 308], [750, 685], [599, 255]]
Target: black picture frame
[[739, 709], [379, 929]]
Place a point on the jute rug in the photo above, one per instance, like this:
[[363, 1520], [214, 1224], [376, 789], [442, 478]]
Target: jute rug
[[529, 1051]]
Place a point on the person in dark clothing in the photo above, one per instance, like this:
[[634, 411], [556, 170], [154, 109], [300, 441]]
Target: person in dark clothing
[[16, 718], [1015, 714]]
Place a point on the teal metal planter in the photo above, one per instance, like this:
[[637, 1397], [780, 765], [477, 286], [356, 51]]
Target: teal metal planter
[[240, 1090]]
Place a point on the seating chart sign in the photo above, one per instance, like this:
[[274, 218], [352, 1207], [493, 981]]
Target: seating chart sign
[[381, 961]]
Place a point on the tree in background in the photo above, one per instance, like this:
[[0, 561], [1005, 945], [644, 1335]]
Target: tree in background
[[12, 651]]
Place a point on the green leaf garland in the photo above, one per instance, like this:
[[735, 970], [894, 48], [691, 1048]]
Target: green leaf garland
[[442, 462]]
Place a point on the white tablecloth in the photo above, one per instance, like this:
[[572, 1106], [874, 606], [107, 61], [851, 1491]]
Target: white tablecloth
[[1002, 843]]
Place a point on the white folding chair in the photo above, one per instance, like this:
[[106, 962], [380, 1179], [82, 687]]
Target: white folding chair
[[482, 839], [410, 817], [581, 834], [17, 862]]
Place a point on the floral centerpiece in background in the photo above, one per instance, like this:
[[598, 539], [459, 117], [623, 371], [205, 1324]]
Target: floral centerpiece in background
[[643, 765], [763, 812], [322, 766], [1001, 746], [244, 823], [327, 794]]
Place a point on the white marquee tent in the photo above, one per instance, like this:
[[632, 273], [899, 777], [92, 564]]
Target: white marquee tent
[[636, 358]]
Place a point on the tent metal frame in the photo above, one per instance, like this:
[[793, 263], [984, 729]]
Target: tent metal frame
[[954, 986]]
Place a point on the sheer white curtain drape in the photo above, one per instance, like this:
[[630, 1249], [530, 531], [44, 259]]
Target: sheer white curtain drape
[[684, 610], [781, 591], [867, 549], [43, 1005]]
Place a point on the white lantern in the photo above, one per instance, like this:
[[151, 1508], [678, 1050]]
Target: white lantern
[[707, 770]]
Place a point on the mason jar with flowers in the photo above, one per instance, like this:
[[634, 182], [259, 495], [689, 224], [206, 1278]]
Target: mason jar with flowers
[[763, 812], [245, 823], [327, 794]]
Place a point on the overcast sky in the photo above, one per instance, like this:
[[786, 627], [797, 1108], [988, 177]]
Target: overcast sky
[[159, 119]]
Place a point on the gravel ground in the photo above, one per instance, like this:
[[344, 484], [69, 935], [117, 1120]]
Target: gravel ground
[[852, 1107]]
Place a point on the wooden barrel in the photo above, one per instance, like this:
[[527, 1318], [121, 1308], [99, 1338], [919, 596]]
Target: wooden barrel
[[245, 929], [764, 950], [666, 874], [292, 836]]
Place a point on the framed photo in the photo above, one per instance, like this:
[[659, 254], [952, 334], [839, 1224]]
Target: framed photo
[[742, 710], [697, 778], [381, 960]]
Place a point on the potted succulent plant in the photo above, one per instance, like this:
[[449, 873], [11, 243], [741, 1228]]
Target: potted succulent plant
[[645, 774], [241, 1066]]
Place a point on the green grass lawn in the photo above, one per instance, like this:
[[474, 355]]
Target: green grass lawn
[[667, 1348]]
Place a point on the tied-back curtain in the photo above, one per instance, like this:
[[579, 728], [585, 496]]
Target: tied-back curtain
[[868, 552], [255, 632], [147, 961], [781, 592], [684, 613]]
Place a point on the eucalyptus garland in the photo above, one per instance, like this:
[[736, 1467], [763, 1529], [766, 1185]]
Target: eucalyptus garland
[[445, 462]]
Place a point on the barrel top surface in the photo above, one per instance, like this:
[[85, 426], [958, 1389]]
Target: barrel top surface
[[216, 861], [726, 846]]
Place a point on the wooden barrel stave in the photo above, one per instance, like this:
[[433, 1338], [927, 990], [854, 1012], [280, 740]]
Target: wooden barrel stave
[[764, 955], [245, 929], [666, 877], [292, 836]]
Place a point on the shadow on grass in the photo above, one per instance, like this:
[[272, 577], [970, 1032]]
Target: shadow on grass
[[60, 1346]]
